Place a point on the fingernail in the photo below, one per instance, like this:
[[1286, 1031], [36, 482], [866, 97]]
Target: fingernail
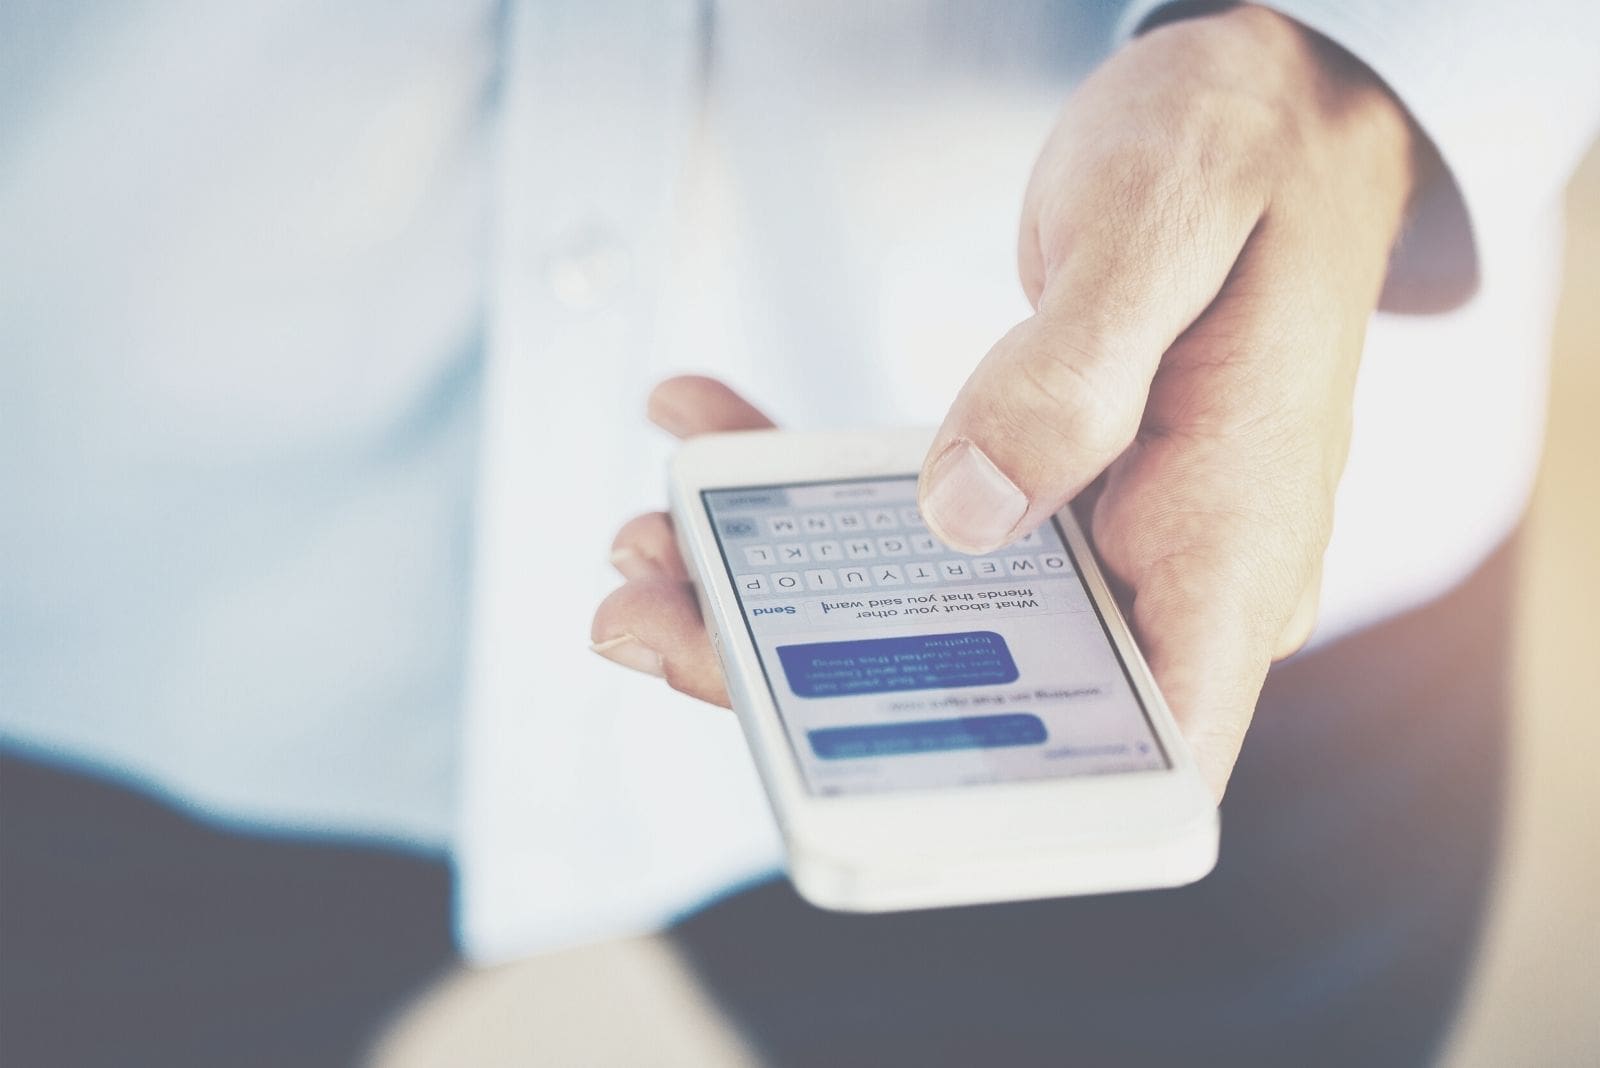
[[633, 564], [630, 652], [970, 504]]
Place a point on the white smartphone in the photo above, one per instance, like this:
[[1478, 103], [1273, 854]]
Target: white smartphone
[[932, 728]]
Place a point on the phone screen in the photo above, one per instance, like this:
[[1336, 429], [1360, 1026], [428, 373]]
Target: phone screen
[[899, 664]]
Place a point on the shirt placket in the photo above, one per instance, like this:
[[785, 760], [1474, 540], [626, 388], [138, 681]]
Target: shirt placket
[[596, 103]]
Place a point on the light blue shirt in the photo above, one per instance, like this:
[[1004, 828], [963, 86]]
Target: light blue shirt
[[326, 332]]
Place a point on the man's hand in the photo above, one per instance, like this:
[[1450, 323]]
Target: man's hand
[[1204, 239]]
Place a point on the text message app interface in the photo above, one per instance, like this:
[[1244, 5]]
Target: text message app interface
[[897, 663]]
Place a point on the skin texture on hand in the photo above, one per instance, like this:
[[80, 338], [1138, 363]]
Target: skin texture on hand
[[1203, 240]]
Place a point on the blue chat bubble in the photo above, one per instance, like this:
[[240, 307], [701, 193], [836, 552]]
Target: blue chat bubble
[[927, 736], [886, 665]]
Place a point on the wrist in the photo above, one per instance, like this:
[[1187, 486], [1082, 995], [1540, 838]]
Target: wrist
[[1340, 104]]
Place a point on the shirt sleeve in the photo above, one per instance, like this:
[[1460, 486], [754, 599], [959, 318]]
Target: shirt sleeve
[[1509, 94]]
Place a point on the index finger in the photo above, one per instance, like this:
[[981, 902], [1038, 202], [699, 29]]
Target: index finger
[[688, 405]]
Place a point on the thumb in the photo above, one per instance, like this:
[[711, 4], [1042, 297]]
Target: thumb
[[1127, 263]]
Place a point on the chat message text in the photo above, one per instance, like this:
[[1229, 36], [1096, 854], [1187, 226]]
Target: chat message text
[[887, 665]]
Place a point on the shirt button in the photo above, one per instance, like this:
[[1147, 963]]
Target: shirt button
[[586, 267]]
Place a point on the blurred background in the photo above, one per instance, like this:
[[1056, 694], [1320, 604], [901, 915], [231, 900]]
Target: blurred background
[[1534, 998]]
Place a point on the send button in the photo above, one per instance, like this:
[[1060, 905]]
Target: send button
[[927, 736]]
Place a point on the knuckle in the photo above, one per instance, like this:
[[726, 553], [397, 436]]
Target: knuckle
[[1246, 557], [1076, 394]]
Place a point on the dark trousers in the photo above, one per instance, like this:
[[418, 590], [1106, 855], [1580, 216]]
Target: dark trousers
[[132, 935], [1358, 842]]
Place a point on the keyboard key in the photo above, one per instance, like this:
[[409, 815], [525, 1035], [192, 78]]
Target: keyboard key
[[751, 585], [783, 526], [985, 568], [893, 545], [882, 519], [854, 577], [816, 523], [821, 579], [955, 570], [925, 543], [785, 581], [793, 553], [740, 528], [1055, 564], [860, 549], [849, 522], [888, 575], [759, 555], [826, 551], [923, 572], [911, 517], [1022, 566]]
